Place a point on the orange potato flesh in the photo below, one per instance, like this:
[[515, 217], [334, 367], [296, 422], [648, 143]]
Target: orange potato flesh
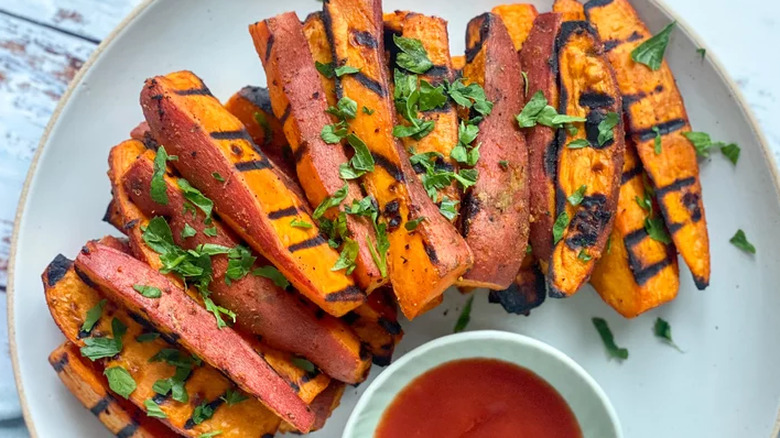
[[587, 89], [494, 212], [570, 10], [652, 100], [253, 200], [425, 261], [518, 19]]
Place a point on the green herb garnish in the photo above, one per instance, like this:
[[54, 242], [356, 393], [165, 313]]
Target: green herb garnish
[[299, 223], [157, 185], [303, 364], [577, 197], [465, 316], [273, 274], [148, 291], [559, 227], [663, 330], [412, 224], [740, 241], [606, 127], [608, 339], [153, 409], [93, 315], [120, 381], [412, 55], [233, 396], [98, 348], [651, 52], [657, 140]]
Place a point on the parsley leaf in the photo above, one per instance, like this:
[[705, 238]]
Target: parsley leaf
[[657, 230], [379, 252], [120, 381], [331, 201], [298, 223], [448, 208], [147, 337], [412, 224], [537, 111], [93, 315], [240, 262], [345, 70], [584, 256], [273, 274], [578, 144], [577, 197], [559, 227], [606, 127], [646, 203], [465, 316], [702, 53], [663, 330], [153, 409], [471, 95], [345, 109], [362, 161], [234, 396], [148, 291], [525, 83], [608, 339], [327, 70], [217, 176], [202, 412], [651, 52], [413, 56], [657, 140], [731, 151], [197, 198], [211, 231], [332, 134], [347, 257], [431, 97], [157, 186], [303, 364], [701, 142], [98, 348], [740, 241], [367, 110], [211, 434], [188, 231], [503, 164]]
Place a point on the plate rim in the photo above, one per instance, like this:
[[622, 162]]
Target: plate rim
[[682, 25]]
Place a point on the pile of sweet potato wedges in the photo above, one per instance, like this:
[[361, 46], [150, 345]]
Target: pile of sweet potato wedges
[[269, 242]]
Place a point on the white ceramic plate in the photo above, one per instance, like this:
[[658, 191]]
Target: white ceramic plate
[[588, 402], [726, 384]]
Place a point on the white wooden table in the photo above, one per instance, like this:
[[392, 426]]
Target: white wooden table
[[44, 42]]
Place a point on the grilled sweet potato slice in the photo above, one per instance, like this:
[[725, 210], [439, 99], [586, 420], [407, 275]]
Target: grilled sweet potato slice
[[252, 105], [425, 261], [319, 46], [262, 308], [298, 98], [653, 102], [127, 217], [494, 214], [588, 89], [90, 387], [542, 142], [637, 273], [253, 199], [115, 274], [323, 406], [69, 299], [518, 19], [527, 292], [432, 33], [376, 323], [570, 10]]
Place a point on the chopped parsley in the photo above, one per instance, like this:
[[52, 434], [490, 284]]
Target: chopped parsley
[[120, 381], [153, 409], [147, 337], [608, 339], [525, 83], [211, 231], [217, 176], [606, 128], [93, 315], [471, 96], [559, 227], [202, 412], [367, 110], [465, 316], [504, 164], [331, 201], [240, 262], [99, 348], [537, 111], [651, 52], [233, 397], [330, 70], [412, 55], [299, 223], [577, 197], [304, 364], [702, 52], [183, 365], [657, 140], [731, 151], [197, 198], [157, 186], [262, 120], [703, 143], [465, 152], [188, 231], [349, 252], [435, 178], [409, 101], [449, 208], [656, 229], [740, 241], [148, 291], [584, 256], [273, 274], [663, 330], [578, 144], [412, 224], [360, 163]]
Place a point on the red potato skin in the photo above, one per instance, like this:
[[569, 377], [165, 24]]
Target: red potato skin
[[115, 273], [171, 117], [495, 210], [542, 144], [262, 308], [296, 90]]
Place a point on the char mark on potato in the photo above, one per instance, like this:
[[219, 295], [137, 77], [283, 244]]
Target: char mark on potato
[[60, 363], [484, 31], [285, 114], [101, 405], [676, 185], [593, 119], [306, 244], [299, 153], [364, 38], [57, 269], [663, 129], [630, 174], [257, 96], [350, 293], [642, 274], [593, 100], [691, 202], [470, 207], [239, 134], [431, 253], [588, 222], [202, 91], [284, 212], [128, 431], [247, 166], [389, 166], [596, 4], [519, 299], [391, 327], [371, 84], [270, 44]]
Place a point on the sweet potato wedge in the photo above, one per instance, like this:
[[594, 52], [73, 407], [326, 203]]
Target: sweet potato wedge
[[126, 216], [323, 406], [590, 171], [570, 10], [298, 98], [458, 62], [69, 299], [432, 33], [494, 212], [252, 200], [115, 274], [652, 102], [518, 19], [262, 308], [425, 261], [542, 142], [376, 323], [527, 292], [90, 387], [637, 273], [252, 105]]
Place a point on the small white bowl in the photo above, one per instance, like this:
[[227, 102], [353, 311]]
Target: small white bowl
[[594, 413]]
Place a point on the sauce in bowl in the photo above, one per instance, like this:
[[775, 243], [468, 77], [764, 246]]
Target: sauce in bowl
[[478, 398]]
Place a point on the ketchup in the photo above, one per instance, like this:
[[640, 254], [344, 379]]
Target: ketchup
[[478, 398]]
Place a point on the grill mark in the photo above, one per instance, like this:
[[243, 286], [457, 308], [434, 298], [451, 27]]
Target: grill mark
[[389, 166], [101, 405], [257, 96], [371, 84], [247, 166], [391, 327], [596, 4], [239, 134], [308, 243], [663, 128], [349, 293], [300, 152], [630, 174], [213, 405], [633, 238], [593, 99], [269, 44], [440, 109], [431, 253], [364, 38], [60, 363], [677, 185], [57, 269], [285, 114], [643, 275], [610, 45], [128, 431], [484, 30], [202, 91], [635, 36], [470, 207], [551, 158], [630, 99], [170, 338], [285, 212], [674, 227]]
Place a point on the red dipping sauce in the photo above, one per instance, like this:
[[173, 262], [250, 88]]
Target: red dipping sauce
[[478, 398]]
